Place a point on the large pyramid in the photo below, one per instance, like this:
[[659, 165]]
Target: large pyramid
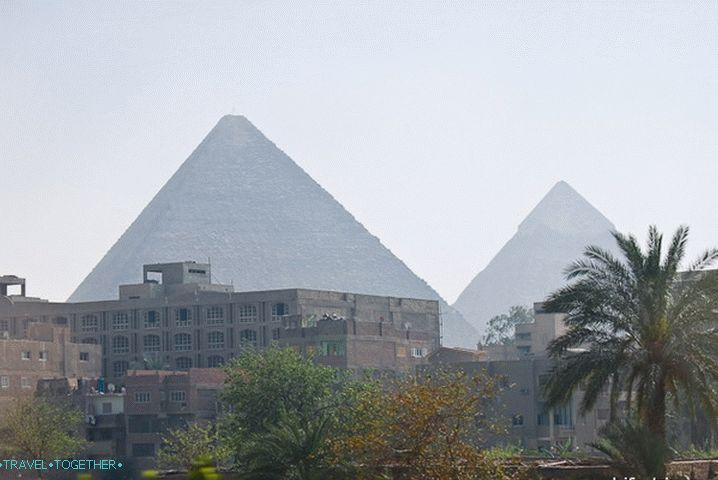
[[531, 264], [264, 223]]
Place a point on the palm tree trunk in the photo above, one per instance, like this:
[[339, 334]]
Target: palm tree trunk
[[656, 416], [615, 391], [656, 420]]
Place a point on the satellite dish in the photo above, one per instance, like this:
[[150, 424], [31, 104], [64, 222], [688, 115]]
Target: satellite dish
[[111, 388]]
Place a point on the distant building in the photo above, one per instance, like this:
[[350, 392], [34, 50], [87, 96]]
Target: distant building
[[103, 424], [106, 429], [177, 319], [157, 401], [32, 351], [524, 367]]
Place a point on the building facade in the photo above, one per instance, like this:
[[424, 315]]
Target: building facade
[[177, 319], [158, 401], [40, 351], [523, 368]]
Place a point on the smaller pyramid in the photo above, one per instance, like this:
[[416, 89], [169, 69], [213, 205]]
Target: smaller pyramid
[[531, 264]]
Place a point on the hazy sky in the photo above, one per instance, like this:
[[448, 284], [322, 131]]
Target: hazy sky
[[438, 125]]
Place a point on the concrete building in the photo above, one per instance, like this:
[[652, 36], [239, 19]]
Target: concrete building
[[127, 422], [106, 429], [33, 351], [361, 332], [177, 319], [523, 368], [157, 401], [103, 425]]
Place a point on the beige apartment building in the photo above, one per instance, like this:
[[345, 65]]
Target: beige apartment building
[[176, 319], [31, 351]]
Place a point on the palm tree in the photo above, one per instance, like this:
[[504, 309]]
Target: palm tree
[[633, 450], [640, 326], [293, 449]]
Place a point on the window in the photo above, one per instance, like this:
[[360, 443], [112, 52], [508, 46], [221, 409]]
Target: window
[[215, 315], [143, 449], [4, 326], [42, 356], [4, 381], [120, 367], [89, 341], [183, 363], [84, 356], [215, 340], [25, 355], [88, 323], [120, 344], [25, 382], [142, 397], [248, 338], [56, 321], [279, 311], [183, 317], [602, 413], [183, 342], [247, 313], [215, 361], [106, 407], [207, 394], [524, 349], [332, 349], [178, 396], [143, 424], [276, 332], [418, 352], [152, 319], [151, 343], [523, 336], [542, 419], [517, 420], [120, 321], [563, 416]]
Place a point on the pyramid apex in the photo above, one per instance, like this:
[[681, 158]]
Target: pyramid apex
[[562, 186], [235, 122], [232, 118], [234, 130], [564, 209]]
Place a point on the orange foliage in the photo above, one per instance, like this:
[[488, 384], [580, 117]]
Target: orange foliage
[[425, 427]]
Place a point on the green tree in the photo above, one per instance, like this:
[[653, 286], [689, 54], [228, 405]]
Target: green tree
[[639, 326], [263, 385], [182, 447], [277, 398], [36, 429], [502, 327]]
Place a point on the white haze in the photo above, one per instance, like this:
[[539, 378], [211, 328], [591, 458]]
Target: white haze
[[439, 126]]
